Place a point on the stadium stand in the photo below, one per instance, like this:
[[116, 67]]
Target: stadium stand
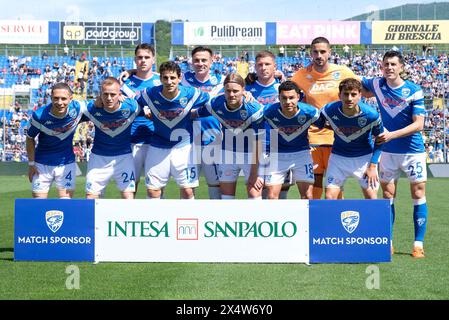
[[85, 73]]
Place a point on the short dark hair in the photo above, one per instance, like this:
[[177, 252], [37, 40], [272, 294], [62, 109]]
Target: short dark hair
[[145, 46], [350, 84], [320, 40], [170, 66], [234, 78], [63, 86], [288, 86], [392, 54], [201, 49], [264, 54]]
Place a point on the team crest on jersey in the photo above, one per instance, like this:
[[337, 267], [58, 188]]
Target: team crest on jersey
[[183, 101], [336, 75], [126, 113], [157, 82], [72, 113], [405, 92], [350, 220], [361, 122], [54, 219], [244, 114], [213, 81], [302, 119]]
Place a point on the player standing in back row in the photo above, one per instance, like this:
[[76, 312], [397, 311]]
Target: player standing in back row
[[142, 128], [202, 78], [401, 104], [319, 81]]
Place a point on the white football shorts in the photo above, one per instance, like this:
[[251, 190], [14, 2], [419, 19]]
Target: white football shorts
[[299, 163], [340, 168], [100, 169], [413, 165], [64, 177], [176, 162]]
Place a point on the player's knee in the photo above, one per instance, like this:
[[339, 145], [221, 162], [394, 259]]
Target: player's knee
[[187, 193], [418, 192], [308, 194], [332, 193], [271, 195]]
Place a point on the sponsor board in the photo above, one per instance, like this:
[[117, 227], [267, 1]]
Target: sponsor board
[[410, 32], [224, 33], [349, 231], [201, 231], [106, 33], [24, 32], [54, 230], [294, 231], [337, 32]]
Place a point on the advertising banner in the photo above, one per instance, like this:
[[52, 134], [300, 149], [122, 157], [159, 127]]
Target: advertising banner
[[337, 32], [293, 231], [349, 231], [54, 230], [117, 33], [24, 32], [222, 33], [410, 32], [202, 231]]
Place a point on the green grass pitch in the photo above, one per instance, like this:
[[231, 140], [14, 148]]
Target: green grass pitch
[[403, 278]]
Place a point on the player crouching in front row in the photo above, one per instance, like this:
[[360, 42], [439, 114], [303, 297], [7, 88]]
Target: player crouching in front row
[[354, 152]]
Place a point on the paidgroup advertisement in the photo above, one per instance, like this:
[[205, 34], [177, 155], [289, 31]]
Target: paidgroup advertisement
[[294, 231], [119, 33]]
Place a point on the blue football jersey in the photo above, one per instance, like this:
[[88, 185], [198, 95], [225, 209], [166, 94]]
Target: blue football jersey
[[265, 95], [291, 132], [249, 116], [210, 127], [353, 135], [113, 129], [173, 124], [397, 107], [55, 135], [142, 128]]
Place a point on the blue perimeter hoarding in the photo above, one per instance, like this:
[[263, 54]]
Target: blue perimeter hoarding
[[350, 231], [54, 230]]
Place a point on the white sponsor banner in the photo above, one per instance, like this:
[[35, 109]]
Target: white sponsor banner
[[23, 32], [224, 33], [202, 231]]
